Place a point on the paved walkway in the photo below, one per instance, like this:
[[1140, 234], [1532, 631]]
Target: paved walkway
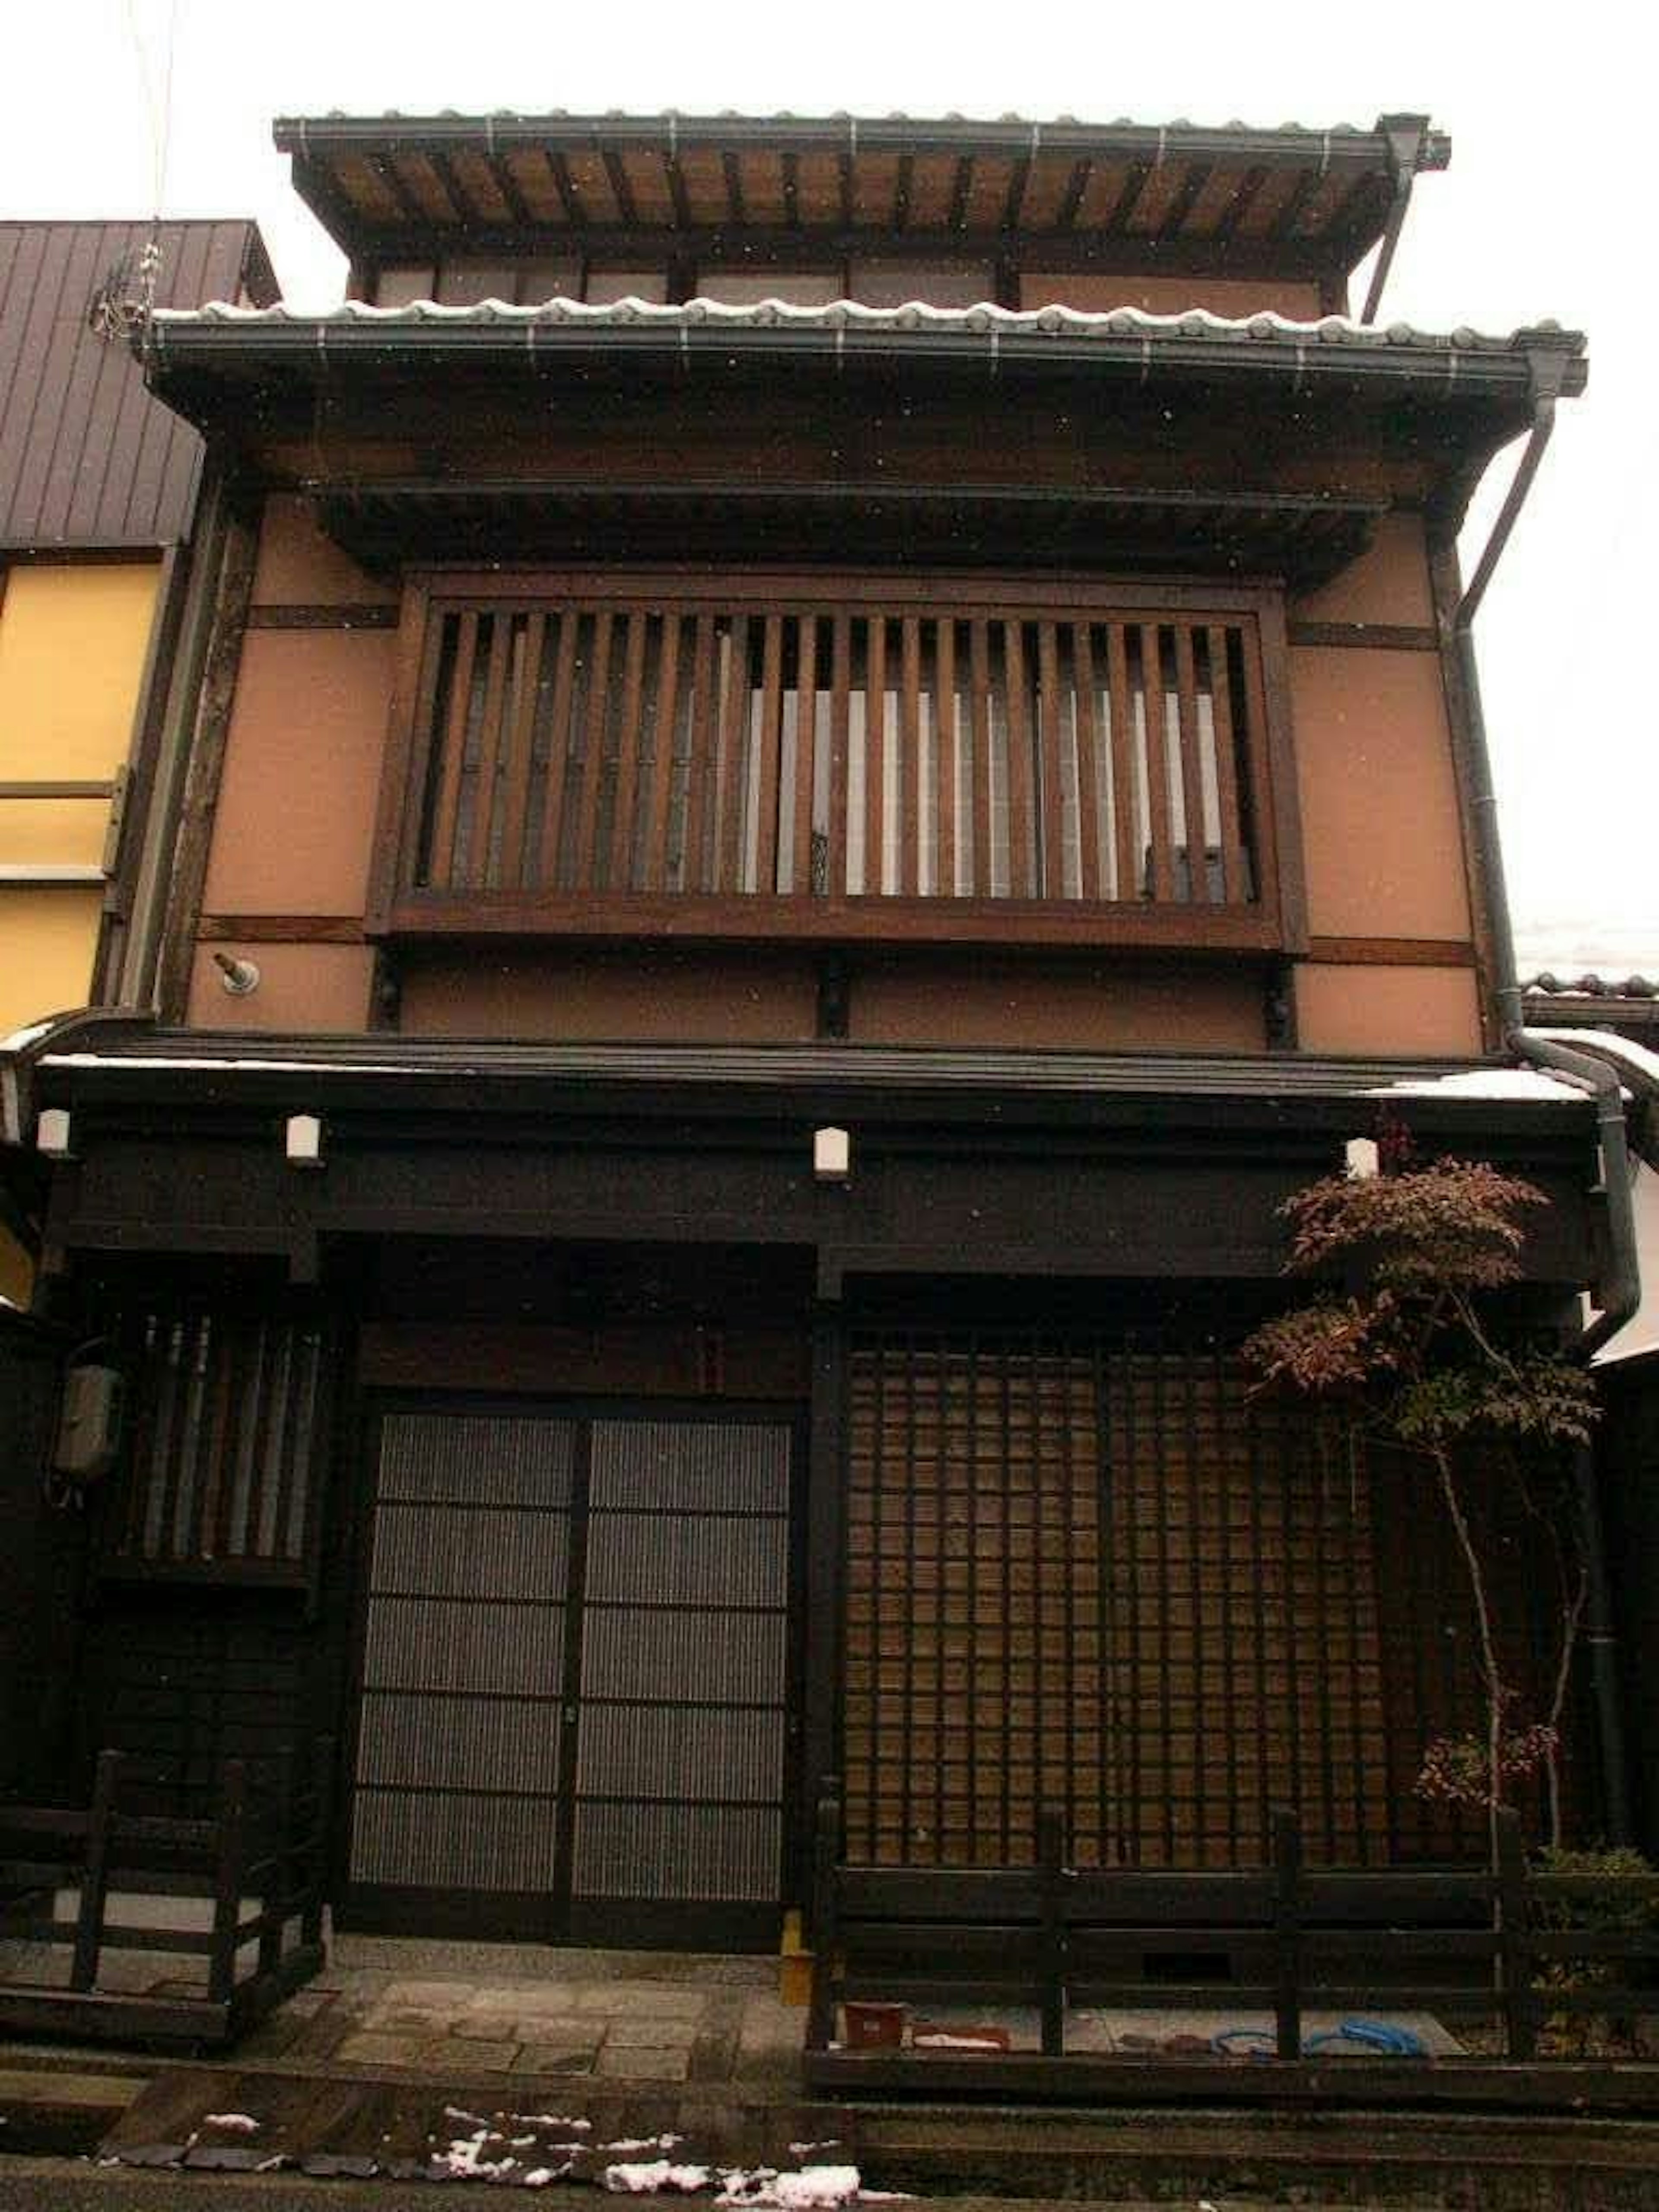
[[473, 2010]]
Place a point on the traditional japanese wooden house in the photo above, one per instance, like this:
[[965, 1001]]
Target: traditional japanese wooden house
[[831, 754]]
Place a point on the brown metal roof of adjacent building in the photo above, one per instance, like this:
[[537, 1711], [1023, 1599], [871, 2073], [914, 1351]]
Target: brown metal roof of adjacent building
[[1294, 199], [89, 459]]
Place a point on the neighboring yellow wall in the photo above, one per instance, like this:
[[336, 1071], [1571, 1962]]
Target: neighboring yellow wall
[[73, 638], [46, 942]]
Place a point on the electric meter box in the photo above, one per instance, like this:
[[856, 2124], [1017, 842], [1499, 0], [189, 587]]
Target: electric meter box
[[89, 1424]]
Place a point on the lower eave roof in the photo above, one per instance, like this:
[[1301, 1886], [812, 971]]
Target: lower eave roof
[[115, 1063], [206, 360]]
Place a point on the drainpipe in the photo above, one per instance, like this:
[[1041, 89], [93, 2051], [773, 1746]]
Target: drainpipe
[[1618, 1287], [1407, 136]]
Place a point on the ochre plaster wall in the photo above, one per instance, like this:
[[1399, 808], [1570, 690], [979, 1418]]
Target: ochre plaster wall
[[1384, 854], [1389, 582], [298, 566], [653, 995], [1229, 297], [1343, 1009], [1095, 1009], [302, 986], [296, 820]]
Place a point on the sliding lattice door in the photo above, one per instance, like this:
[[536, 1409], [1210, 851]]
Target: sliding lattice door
[[1096, 1575]]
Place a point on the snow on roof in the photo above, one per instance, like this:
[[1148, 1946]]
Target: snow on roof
[[983, 319], [1608, 1044], [1483, 1083], [31, 1033]]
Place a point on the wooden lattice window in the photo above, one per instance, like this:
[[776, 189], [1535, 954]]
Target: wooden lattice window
[[846, 759], [226, 1428], [1097, 1577]]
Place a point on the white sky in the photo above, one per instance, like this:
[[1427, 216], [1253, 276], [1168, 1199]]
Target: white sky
[[1551, 117]]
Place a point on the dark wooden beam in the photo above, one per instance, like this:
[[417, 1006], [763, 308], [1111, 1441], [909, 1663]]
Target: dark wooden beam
[[233, 587]]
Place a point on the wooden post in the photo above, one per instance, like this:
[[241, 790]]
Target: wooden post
[[227, 1882], [95, 1873], [1514, 1953], [1051, 1853], [283, 1880], [826, 1929], [1287, 1936], [316, 1860]]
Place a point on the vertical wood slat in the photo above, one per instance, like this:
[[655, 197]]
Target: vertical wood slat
[[984, 879], [630, 739], [595, 720], [619, 760], [660, 797], [911, 822], [771, 750], [704, 742], [1088, 763], [1192, 773], [476, 830], [558, 749], [452, 759], [1157, 767], [521, 746], [841, 702], [1017, 721], [944, 751], [1051, 809], [731, 785], [1125, 783], [806, 734], [1226, 782], [875, 756]]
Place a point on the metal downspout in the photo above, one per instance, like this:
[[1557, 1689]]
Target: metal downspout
[[1619, 1289], [1407, 135]]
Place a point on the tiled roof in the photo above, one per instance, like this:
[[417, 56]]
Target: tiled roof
[[1295, 200]]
